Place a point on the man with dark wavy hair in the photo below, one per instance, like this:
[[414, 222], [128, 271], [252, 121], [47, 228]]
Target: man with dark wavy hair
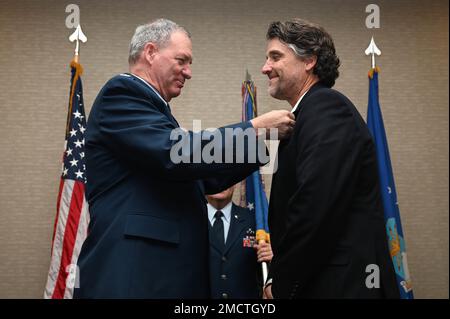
[[325, 214]]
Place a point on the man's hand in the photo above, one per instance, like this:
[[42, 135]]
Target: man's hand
[[267, 292], [280, 119], [263, 252]]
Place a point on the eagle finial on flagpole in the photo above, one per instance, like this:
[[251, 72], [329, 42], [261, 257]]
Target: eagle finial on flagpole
[[77, 36], [372, 49]]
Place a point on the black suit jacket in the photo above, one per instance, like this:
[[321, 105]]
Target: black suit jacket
[[235, 272], [325, 215]]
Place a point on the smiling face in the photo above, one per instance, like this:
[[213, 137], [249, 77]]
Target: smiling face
[[171, 65], [286, 71]]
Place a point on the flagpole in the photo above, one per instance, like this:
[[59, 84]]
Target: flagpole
[[372, 50], [394, 231], [77, 36], [265, 271], [72, 207], [265, 268], [254, 194]]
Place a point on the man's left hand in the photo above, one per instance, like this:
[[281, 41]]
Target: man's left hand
[[267, 292], [264, 252]]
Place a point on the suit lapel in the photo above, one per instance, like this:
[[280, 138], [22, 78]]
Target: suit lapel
[[237, 225], [168, 112], [159, 103], [285, 142], [314, 88]]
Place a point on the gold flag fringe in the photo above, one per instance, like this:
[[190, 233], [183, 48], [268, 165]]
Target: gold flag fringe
[[373, 70], [78, 71]]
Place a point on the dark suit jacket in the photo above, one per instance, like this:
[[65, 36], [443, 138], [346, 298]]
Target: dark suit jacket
[[148, 237], [325, 214], [235, 271]]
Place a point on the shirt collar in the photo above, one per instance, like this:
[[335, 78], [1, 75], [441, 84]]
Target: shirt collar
[[298, 102], [150, 86], [226, 212]]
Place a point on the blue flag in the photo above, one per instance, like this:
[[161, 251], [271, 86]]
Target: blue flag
[[255, 196], [389, 195]]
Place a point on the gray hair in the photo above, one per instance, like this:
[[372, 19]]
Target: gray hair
[[158, 32], [301, 53]]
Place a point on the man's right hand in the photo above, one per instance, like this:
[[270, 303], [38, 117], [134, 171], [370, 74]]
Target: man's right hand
[[282, 120]]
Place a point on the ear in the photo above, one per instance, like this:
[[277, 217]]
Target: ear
[[310, 63], [149, 52]]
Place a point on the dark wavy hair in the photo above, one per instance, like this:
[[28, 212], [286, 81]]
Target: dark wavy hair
[[307, 39]]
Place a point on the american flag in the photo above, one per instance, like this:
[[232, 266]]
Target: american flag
[[72, 214]]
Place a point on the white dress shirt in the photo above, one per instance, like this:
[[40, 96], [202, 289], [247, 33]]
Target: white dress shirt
[[298, 102]]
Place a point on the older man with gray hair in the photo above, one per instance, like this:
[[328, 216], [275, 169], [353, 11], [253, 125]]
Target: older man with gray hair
[[148, 235]]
